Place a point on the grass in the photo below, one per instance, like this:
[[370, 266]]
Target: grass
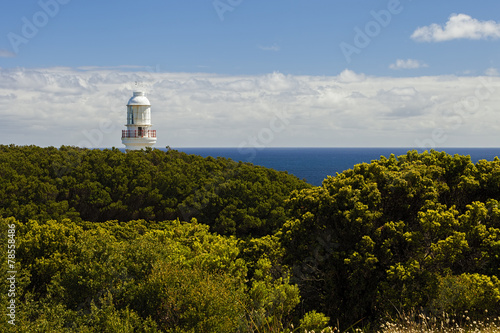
[[419, 323], [444, 324]]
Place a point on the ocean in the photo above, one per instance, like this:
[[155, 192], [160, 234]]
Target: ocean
[[315, 164]]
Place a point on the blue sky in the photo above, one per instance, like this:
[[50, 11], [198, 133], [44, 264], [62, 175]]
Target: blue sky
[[255, 37], [345, 50]]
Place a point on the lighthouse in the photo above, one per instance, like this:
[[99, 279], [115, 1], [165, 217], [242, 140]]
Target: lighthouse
[[138, 134]]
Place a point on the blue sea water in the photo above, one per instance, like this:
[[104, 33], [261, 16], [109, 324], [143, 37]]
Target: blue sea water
[[315, 164]]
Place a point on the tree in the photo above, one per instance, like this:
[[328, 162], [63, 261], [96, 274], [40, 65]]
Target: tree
[[386, 235]]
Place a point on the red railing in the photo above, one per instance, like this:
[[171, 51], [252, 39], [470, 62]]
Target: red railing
[[138, 134]]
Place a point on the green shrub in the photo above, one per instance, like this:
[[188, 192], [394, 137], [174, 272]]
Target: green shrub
[[377, 238], [314, 321], [188, 299], [472, 293]]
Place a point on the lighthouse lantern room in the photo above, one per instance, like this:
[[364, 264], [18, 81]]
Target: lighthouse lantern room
[[138, 134]]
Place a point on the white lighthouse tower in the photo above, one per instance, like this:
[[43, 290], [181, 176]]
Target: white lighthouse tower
[[138, 134]]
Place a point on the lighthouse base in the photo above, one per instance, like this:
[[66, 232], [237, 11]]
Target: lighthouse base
[[138, 143]]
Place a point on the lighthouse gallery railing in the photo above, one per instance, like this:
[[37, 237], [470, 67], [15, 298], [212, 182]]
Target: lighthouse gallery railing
[[138, 134]]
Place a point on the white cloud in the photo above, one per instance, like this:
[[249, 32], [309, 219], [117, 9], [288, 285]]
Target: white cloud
[[64, 106], [124, 67], [6, 54], [491, 72], [403, 102], [459, 26], [347, 76], [407, 64], [273, 47]]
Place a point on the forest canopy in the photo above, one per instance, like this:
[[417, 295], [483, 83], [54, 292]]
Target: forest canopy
[[161, 241], [234, 198]]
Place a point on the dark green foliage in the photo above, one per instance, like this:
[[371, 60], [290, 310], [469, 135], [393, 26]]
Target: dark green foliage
[[101, 185], [139, 276], [154, 241], [313, 321], [394, 234], [474, 293], [189, 299]]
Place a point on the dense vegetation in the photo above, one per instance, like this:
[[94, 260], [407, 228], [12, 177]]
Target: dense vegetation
[[101, 185], [140, 277], [163, 241], [421, 231]]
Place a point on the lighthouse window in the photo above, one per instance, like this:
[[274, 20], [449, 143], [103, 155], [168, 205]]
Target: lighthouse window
[[130, 117]]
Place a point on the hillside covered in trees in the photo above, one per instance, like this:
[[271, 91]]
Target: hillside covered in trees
[[100, 185], [155, 241]]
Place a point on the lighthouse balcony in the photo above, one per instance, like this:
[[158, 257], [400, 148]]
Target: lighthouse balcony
[[138, 134]]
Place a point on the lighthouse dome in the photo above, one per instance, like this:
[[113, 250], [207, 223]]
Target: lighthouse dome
[[139, 98]]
